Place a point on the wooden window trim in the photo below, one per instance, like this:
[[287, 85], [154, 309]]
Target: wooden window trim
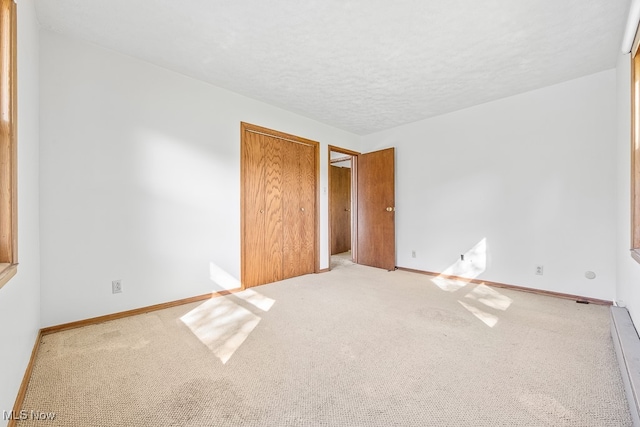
[[8, 141]]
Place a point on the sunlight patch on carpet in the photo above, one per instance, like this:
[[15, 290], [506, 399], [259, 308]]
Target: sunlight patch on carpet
[[449, 285], [490, 297], [487, 318], [256, 299], [221, 325]]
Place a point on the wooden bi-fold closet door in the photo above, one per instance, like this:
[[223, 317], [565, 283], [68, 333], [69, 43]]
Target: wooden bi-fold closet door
[[279, 198]]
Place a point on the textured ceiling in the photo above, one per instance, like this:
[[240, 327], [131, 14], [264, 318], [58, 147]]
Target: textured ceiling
[[359, 65]]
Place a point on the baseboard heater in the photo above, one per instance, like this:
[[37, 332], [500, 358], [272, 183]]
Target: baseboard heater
[[627, 347]]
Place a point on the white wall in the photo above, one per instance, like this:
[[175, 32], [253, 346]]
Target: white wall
[[628, 285], [140, 180], [531, 177], [20, 298]]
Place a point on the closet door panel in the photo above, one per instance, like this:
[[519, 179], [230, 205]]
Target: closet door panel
[[273, 209], [299, 203], [291, 208], [253, 204], [278, 205]]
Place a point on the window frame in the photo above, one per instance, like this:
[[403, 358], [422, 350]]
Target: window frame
[[8, 141]]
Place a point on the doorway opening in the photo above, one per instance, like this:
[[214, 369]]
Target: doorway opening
[[343, 190]]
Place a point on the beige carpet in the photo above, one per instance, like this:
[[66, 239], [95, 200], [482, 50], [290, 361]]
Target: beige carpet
[[354, 347], [341, 259]]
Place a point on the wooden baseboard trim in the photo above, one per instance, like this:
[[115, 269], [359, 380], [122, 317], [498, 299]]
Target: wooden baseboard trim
[[514, 287], [324, 270], [22, 391], [134, 312]]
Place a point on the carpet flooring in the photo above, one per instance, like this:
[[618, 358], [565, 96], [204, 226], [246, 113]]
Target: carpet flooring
[[341, 260], [357, 346]]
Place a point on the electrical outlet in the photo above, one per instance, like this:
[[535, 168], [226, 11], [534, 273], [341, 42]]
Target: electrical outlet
[[413, 254], [539, 270], [116, 286]]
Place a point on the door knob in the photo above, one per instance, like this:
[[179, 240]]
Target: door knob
[[390, 209], [347, 210], [302, 209]]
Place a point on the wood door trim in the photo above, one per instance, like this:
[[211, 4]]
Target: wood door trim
[[342, 151], [340, 159], [242, 206], [248, 127], [316, 236], [354, 208], [277, 134], [354, 197]]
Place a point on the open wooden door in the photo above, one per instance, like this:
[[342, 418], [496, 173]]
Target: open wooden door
[[376, 209]]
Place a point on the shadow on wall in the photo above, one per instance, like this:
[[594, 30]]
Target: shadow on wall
[[484, 302]]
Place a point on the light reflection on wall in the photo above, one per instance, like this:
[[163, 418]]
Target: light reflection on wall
[[474, 264], [222, 279], [481, 300]]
